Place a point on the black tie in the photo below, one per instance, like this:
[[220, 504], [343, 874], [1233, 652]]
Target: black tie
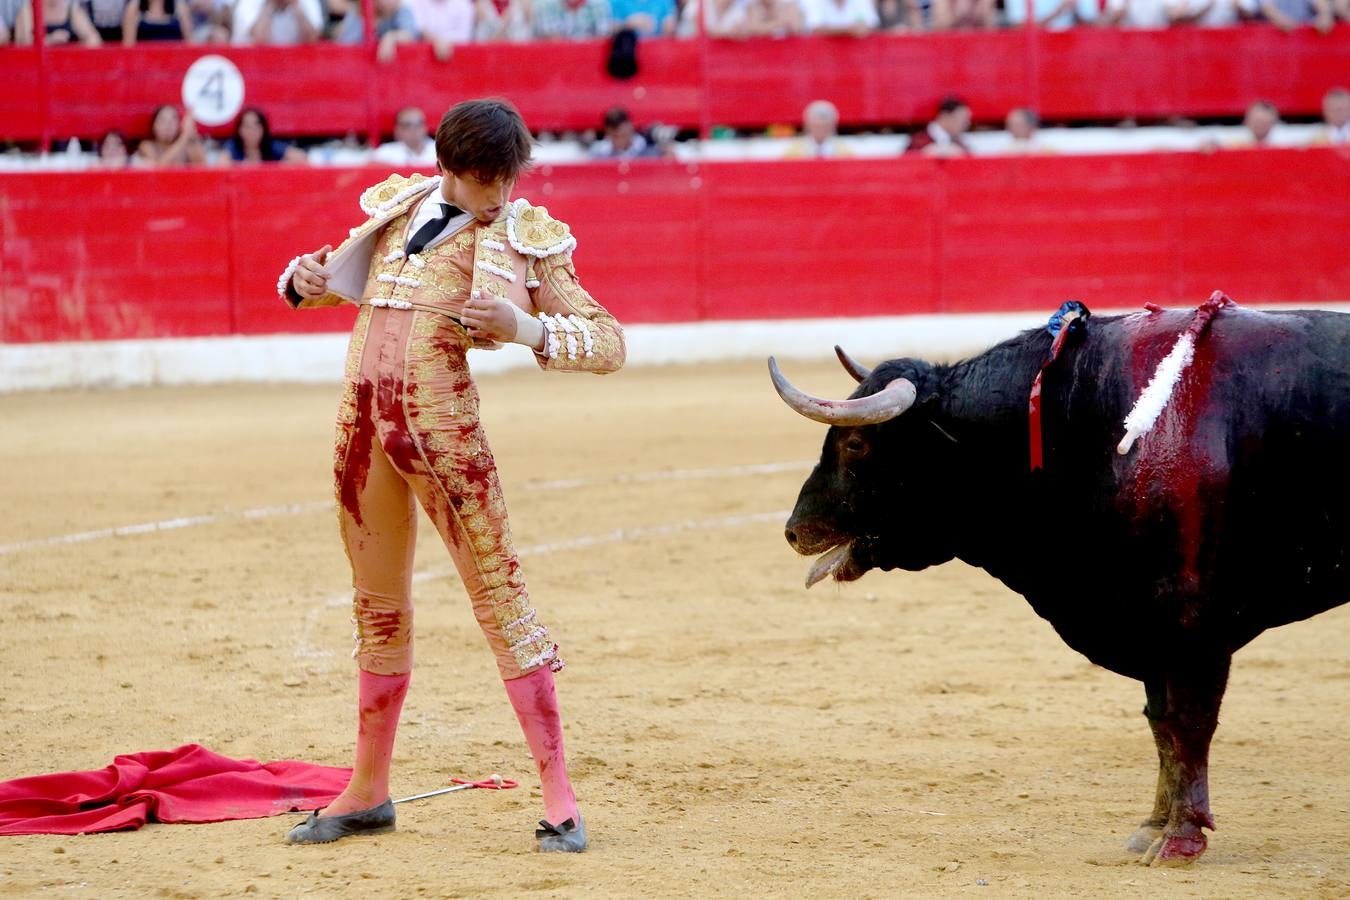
[[428, 232]]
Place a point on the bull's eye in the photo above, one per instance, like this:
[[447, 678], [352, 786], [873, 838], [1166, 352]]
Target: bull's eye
[[855, 445]]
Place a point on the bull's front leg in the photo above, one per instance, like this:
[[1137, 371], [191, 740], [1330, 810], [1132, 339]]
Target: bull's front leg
[[1194, 690]]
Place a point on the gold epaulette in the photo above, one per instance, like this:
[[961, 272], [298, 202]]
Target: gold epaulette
[[532, 231], [391, 192]]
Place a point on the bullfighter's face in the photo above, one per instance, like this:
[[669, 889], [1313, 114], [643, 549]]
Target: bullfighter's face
[[483, 200], [875, 499]]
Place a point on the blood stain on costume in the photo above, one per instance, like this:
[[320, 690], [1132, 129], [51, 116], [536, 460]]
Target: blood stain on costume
[[378, 626], [356, 464]]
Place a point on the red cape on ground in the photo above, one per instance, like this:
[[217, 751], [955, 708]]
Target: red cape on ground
[[188, 784]]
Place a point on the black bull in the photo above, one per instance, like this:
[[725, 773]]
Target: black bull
[[1230, 517]]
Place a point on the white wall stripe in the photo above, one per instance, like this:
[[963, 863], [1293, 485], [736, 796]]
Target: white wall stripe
[[318, 358]]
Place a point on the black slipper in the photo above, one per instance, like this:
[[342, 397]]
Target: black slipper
[[319, 829], [569, 837]]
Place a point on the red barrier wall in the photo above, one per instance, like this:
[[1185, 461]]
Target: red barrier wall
[[883, 79], [94, 256]]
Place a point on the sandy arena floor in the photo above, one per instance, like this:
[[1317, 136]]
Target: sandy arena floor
[[730, 733]]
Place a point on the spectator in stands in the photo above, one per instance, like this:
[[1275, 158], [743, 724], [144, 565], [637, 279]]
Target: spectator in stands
[[277, 23], [1335, 128], [66, 23], [1287, 15], [724, 18], [942, 137], [1023, 124], [334, 12], [844, 17], [112, 151], [107, 16], [649, 18], [900, 15], [9, 14], [173, 140], [763, 18], [157, 20], [963, 15], [718, 11], [820, 134], [1137, 13], [1205, 13], [394, 25], [1052, 14], [1260, 121], [622, 139], [411, 146], [211, 20], [252, 141], [572, 20], [504, 20], [444, 23]]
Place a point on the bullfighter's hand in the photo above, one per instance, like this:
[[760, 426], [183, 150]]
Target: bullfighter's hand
[[311, 277], [489, 318]]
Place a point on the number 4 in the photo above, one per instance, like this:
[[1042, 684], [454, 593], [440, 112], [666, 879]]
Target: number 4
[[214, 88]]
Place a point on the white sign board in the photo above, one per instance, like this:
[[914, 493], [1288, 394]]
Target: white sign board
[[213, 90]]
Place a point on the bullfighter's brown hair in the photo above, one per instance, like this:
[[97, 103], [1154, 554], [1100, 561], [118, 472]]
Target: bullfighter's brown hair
[[486, 139]]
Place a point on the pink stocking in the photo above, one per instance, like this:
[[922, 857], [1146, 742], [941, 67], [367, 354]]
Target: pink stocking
[[381, 702], [536, 704]]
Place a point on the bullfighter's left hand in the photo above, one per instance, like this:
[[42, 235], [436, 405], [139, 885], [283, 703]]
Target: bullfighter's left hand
[[489, 318]]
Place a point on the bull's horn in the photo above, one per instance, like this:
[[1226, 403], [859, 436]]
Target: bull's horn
[[896, 397], [851, 365]]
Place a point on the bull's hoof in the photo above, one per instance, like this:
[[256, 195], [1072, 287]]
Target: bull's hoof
[[1143, 838], [1176, 850]]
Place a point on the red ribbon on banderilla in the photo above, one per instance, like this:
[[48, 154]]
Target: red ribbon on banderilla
[[1071, 318], [493, 782]]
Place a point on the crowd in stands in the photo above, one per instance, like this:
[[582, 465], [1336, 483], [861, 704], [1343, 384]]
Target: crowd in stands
[[174, 140], [948, 133], [445, 23]]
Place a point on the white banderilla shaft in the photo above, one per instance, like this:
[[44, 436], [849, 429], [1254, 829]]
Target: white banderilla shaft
[[494, 778]]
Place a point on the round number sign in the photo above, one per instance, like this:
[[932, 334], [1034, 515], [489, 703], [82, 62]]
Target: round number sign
[[213, 90]]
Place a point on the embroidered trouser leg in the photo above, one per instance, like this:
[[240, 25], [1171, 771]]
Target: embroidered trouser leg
[[412, 379], [379, 531]]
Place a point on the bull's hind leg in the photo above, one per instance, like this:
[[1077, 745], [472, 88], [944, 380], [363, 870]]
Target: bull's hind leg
[[1151, 829], [1183, 732]]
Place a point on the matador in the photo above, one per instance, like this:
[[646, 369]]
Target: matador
[[443, 264]]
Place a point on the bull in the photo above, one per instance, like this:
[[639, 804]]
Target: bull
[[1230, 516]]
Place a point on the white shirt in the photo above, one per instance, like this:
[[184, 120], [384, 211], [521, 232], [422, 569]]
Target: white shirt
[[396, 153], [831, 15], [939, 134], [1016, 12], [1222, 14], [1141, 13], [446, 20], [1336, 136], [429, 209], [285, 28], [604, 148]]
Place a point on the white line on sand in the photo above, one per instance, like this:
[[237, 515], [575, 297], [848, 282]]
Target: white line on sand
[[297, 509], [79, 537], [305, 648]]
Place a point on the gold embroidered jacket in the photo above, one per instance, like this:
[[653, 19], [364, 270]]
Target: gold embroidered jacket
[[524, 257]]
